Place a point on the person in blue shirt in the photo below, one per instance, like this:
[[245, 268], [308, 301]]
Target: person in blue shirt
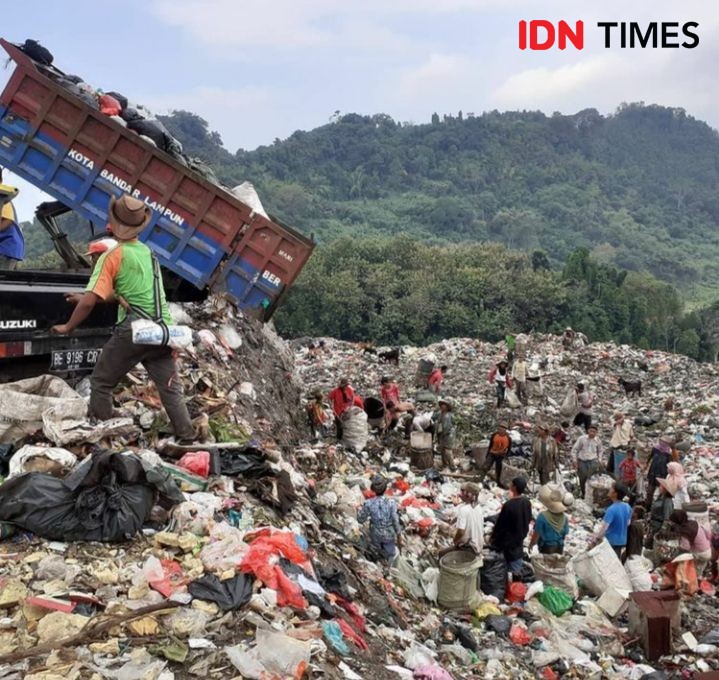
[[616, 520], [384, 527], [12, 243], [552, 526]]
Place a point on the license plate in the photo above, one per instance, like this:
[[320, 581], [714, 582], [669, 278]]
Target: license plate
[[73, 359]]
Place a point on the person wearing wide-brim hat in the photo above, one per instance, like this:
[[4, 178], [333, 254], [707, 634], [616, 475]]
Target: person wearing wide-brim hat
[[552, 525], [127, 274]]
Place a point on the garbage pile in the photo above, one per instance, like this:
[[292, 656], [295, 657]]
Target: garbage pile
[[127, 555]]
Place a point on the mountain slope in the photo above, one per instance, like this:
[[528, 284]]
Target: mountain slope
[[639, 188]]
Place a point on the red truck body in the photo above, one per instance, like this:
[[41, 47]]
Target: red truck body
[[199, 230]]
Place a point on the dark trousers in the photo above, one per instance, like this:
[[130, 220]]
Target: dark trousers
[[583, 420], [651, 489], [520, 387], [492, 459], [119, 356], [338, 428]]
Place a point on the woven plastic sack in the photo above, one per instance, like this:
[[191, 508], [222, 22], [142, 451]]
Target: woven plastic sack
[[555, 600]]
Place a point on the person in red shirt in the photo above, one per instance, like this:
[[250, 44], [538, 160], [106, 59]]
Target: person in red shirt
[[389, 392], [341, 398], [628, 469], [436, 378]]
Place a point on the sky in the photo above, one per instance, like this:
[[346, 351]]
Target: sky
[[257, 70]]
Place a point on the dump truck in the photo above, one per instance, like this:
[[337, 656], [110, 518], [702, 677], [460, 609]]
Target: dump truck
[[205, 238]]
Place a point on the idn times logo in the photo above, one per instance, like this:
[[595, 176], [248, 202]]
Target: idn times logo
[[540, 34]]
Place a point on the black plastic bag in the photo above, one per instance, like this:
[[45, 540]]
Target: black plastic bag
[[466, 638], [155, 130], [231, 594], [499, 624], [247, 462], [6, 453], [333, 581], [108, 497], [328, 610], [37, 52], [493, 575], [276, 491], [434, 475]]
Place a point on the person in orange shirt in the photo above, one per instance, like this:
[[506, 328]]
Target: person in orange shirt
[[499, 445]]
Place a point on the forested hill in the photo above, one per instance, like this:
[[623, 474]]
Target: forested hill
[[638, 188]]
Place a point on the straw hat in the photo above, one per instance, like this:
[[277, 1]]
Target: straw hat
[[128, 216], [555, 498]]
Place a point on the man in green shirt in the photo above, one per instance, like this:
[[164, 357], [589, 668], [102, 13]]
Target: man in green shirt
[[126, 274]]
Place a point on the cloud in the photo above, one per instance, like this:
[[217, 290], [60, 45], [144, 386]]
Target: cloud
[[294, 24], [239, 114], [439, 74], [538, 87]]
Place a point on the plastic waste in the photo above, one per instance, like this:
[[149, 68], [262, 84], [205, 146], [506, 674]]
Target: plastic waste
[[282, 654], [433, 672], [516, 592], [41, 459], [417, 656], [493, 575], [555, 600], [639, 569], [165, 576], [519, 635], [499, 624], [246, 662], [333, 634], [231, 594], [430, 583], [197, 462]]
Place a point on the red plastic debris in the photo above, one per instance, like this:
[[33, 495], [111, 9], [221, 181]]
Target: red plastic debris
[[197, 462], [516, 592]]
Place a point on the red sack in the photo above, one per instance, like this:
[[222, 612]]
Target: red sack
[[516, 592], [519, 635], [197, 462], [109, 105]]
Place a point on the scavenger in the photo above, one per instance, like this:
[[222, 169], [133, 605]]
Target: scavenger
[[127, 274], [385, 531]]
